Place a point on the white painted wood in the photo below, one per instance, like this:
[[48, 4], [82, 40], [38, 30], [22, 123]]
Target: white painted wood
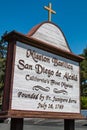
[[46, 99], [51, 34]]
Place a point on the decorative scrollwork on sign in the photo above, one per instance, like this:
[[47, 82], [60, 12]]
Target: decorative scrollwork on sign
[[55, 90], [37, 87]]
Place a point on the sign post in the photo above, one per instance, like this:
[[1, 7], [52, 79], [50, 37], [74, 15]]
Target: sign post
[[16, 124], [69, 124]]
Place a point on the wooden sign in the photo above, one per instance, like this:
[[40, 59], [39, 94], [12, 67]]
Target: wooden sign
[[42, 80]]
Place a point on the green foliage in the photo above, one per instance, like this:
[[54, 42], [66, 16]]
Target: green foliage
[[3, 48], [84, 69], [83, 79], [83, 74], [2, 72], [3, 52], [83, 102], [2, 75]]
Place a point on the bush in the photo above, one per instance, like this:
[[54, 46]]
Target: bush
[[83, 102]]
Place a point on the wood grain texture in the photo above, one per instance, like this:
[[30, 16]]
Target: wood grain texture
[[8, 76], [51, 34], [50, 115]]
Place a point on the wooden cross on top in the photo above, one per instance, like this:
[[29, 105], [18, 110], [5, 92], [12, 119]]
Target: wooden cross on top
[[50, 11]]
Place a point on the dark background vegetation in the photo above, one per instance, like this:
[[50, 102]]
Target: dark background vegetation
[[83, 72]]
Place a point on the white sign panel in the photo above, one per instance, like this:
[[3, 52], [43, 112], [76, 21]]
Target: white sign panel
[[44, 81]]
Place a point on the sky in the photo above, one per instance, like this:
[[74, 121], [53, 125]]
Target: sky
[[71, 17]]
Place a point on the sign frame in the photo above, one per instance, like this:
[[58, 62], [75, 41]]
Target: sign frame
[[12, 38]]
